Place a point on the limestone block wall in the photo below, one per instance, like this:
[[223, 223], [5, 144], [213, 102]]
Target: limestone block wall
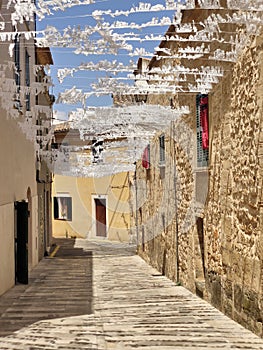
[[166, 202], [233, 219], [213, 248], [215, 252]]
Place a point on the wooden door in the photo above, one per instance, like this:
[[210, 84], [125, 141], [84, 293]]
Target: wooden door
[[101, 224]]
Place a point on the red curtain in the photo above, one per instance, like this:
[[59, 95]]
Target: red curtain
[[146, 158], [204, 121]]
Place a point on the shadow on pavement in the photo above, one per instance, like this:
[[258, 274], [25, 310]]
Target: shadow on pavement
[[60, 286]]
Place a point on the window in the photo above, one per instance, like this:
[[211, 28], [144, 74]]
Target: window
[[17, 60], [202, 130], [27, 79], [63, 208], [162, 149], [97, 148], [17, 103]]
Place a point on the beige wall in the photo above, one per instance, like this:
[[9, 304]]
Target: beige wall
[[83, 190], [17, 175], [34, 246], [7, 249], [17, 158]]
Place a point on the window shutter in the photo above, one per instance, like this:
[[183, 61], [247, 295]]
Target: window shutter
[[162, 148], [17, 60], [55, 208], [202, 153], [69, 204], [146, 157], [27, 79]]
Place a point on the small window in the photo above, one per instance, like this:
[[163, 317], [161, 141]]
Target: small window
[[63, 208], [162, 149], [97, 149], [27, 79], [17, 60]]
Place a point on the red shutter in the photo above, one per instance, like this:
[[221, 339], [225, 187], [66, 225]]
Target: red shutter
[[204, 122], [146, 158]]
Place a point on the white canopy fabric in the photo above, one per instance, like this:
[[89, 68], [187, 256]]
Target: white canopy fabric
[[133, 125], [124, 133]]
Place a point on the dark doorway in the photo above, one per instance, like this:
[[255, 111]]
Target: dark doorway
[[101, 222], [21, 242], [47, 223], [200, 233]]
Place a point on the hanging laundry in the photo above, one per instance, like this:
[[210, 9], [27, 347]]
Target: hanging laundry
[[204, 121], [146, 157]]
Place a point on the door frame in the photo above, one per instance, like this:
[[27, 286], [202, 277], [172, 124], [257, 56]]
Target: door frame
[[93, 205]]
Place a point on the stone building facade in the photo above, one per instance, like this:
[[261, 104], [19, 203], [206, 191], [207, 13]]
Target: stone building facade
[[198, 210]]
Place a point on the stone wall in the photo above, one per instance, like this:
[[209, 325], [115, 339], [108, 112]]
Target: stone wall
[[233, 224], [214, 249], [166, 201]]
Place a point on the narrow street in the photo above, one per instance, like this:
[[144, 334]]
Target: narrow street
[[103, 296]]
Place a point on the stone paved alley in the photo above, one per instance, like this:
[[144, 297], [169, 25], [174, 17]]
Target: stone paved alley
[[106, 297]]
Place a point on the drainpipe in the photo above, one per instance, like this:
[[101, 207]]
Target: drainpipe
[[43, 182], [136, 205], [176, 220], [176, 228]]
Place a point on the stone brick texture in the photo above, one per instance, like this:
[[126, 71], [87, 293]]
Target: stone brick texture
[[215, 248]]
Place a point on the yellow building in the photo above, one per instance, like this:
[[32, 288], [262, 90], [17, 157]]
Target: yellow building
[[89, 207]]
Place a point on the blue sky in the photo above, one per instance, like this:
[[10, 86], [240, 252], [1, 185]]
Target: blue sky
[[80, 16]]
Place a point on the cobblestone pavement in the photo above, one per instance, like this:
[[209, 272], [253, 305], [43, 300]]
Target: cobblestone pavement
[[111, 300]]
